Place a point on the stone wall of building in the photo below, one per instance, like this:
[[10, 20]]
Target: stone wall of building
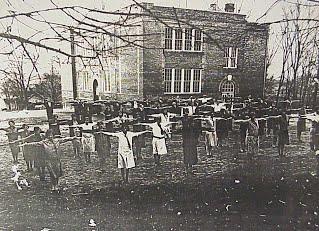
[[153, 58], [221, 29]]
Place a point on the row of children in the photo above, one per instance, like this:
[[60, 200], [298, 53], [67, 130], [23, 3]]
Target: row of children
[[89, 137]]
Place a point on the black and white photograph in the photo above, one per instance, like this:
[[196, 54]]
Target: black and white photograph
[[159, 115]]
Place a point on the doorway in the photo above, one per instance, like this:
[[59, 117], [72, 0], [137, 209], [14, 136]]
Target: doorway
[[95, 86]]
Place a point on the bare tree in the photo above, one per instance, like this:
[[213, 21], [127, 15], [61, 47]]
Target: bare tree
[[299, 56], [19, 77]]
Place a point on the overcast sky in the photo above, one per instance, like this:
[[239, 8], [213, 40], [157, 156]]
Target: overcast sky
[[252, 8]]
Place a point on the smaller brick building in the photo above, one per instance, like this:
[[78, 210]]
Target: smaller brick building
[[180, 52]]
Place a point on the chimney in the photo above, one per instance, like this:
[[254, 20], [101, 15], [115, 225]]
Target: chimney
[[147, 5], [230, 7], [213, 7]]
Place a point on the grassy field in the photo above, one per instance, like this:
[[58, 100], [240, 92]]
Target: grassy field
[[226, 192]]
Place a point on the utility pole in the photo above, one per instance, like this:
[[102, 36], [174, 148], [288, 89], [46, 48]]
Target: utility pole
[[52, 70], [74, 80]]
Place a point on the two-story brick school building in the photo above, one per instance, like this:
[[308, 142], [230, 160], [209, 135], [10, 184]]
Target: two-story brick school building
[[181, 52]]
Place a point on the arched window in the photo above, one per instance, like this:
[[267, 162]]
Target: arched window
[[228, 89]]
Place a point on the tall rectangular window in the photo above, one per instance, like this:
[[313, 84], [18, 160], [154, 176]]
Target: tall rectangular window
[[168, 38], [168, 73], [178, 81], [118, 80], [106, 77], [231, 57], [187, 80], [188, 39], [178, 39], [85, 80], [198, 40], [197, 81]]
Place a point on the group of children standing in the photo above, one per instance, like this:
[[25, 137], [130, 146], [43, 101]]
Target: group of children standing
[[130, 130]]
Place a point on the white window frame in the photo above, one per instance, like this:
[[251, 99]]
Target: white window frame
[[200, 80], [190, 81], [191, 39], [182, 88], [85, 80], [106, 81], [201, 40], [170, 81], [180, 39], [181, 80], [193, 31], [228, 58], [169, 39]]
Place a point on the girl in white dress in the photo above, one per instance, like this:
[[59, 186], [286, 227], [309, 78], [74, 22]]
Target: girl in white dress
[[159, 135], [125, 152]]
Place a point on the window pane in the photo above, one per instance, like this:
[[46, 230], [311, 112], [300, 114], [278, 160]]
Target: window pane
[[187, 80], [196, 81], [178, 39], [198, 40], [227, 64], [188, 39], [233, 52], [168, 44], [198, 35], [169, 33], [85, 80], [168, 38], [188, 45], [198, 46], [104, 83], [226, 55], [179, 34], [188, 34], [196, 87], [226, 52], [178, 81], [232, 62], [118, 80], [178, 45], [234, 55], [168, 80], [107, 82]]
